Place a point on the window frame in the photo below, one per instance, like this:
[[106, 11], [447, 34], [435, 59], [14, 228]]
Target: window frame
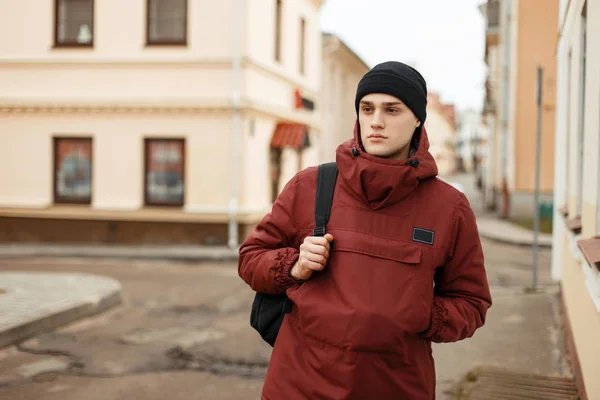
[[568, 127], [162, 42], [147, 142], [278, 31], [58, 43], [597, 233], [57, 198], [581, 119], [302, 47]]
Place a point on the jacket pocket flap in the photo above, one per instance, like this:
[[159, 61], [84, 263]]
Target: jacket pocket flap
[[358, 242]]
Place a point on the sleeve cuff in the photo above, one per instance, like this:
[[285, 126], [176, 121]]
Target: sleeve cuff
[[283, 265], [438, 316]]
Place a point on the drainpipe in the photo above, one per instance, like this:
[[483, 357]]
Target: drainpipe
[[505, 110], [236, 97]]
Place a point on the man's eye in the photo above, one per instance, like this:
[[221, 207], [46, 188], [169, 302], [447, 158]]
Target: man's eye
[[366, 109], [392, 110]]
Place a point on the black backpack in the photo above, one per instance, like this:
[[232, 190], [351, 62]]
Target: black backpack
[[268, 310]]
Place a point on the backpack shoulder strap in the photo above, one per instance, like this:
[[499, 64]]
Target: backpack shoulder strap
[[326, 178]]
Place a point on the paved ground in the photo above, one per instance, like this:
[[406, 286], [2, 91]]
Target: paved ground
[[178, 323], [183, 333], [34, 302]]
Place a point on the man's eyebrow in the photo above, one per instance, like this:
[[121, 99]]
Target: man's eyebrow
[[386, 103]]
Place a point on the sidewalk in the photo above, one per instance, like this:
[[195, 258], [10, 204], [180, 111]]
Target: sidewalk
[[522, 335], [35, 302], [491, 226], [506, 232]]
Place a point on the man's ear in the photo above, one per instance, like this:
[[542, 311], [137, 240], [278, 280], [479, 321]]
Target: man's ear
[[418, 123]]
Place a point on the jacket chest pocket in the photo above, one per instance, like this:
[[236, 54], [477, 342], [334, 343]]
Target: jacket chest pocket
[[393, 256]]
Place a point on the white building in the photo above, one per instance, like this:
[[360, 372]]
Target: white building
[[342, 70], [151, 121], [441, 131], [576, 244], [471, 141]]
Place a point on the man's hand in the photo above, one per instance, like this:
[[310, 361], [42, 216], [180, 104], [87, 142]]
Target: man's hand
[[314, 254]]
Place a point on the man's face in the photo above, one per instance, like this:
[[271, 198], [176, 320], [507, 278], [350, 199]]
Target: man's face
[[386, 126]]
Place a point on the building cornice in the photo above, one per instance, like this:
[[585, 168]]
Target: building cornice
[[13, 107], [110, 105]]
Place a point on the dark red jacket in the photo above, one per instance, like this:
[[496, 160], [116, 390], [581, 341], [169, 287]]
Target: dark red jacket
[[362, 328]]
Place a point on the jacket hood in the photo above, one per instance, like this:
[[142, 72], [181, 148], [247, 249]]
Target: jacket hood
[[381, 182]]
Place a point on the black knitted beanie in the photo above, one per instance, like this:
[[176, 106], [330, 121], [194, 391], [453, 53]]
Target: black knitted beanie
[[399, 80]]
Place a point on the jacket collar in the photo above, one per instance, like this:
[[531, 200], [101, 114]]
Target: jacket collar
[[380, 182]]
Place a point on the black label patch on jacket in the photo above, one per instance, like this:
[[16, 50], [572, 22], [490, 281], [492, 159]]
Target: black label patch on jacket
[[423, 236]]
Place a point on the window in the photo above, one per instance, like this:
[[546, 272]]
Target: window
[[581, 126], [73, 170], [302, 46], [74, 23], [278, 19], [493, 14], [569, 105], [164, 172], [167, 22]]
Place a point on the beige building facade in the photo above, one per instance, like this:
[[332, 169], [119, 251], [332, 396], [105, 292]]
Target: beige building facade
[[150, 121], [441, 131], [519, 35], [576, 244], [342, 70]]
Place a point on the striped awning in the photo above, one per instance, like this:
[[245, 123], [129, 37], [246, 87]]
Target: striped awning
[[290, 135]]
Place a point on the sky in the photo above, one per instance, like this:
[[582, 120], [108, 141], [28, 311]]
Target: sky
[[443, 39]]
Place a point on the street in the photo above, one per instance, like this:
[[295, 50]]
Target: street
[[183, 332]]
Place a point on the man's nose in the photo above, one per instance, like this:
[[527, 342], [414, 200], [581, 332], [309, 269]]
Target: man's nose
[[377, 121]]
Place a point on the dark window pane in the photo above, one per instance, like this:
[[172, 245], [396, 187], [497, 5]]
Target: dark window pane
[[167, 21], [74, 22], [164, 172], [73, 173]]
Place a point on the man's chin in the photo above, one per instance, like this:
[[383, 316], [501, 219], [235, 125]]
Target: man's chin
[[380, 153]]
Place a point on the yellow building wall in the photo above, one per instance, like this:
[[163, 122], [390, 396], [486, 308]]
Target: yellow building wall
[[117, 153], [585, 321], [538, 22]]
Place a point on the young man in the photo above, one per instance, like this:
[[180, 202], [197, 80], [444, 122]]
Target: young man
[[401, 266]]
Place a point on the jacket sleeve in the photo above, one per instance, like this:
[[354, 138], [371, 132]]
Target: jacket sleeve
[[461, 296], [267, 255]]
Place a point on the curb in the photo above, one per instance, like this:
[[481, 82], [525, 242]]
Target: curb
[[52, 321], [512, 241], [188, 254]]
